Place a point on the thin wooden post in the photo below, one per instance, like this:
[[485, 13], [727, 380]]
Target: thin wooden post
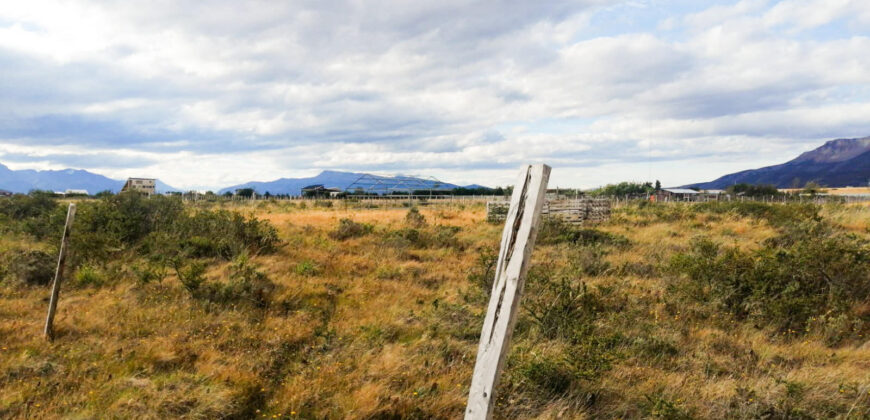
[[517, 242], [58, 274]]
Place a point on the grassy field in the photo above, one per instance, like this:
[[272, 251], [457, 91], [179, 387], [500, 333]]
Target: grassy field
[[716, 310]]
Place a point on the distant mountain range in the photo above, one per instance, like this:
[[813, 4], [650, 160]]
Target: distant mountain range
[[336, 179], [838, 163], [61, 180], [77, 179]]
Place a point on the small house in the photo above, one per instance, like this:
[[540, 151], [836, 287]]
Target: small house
[[4, 193], [147, 186], [677, 194]]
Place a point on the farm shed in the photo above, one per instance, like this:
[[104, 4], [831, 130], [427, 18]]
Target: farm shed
[[143, 185], [318, 190], [676, 194]]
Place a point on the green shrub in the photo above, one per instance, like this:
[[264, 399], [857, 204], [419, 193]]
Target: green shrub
[[323, 203], [434, 237], [414, 219], [551, 377], [560, 307], [779, 215], [554, 230], [149, 272], [307, 268], [482, 274], [347, 229], [160, 227], [388, 272], [37, 214], [200, 246], [588, 261], [444, 237], [566, 372], [805, 273], [191, 275], [89, 276], [660, 407], [30, 267], [247, 283], [225, 234]]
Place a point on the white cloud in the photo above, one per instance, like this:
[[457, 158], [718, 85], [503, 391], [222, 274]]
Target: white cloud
[[225, 92]]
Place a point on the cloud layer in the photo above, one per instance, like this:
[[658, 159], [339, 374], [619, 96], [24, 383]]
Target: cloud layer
[[203, 94]]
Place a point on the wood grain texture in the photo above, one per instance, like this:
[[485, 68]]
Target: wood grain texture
[[518, 240], [58, 274]]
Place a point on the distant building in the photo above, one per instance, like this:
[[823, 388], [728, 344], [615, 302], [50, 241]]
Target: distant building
[[4, 193], [318, 190], [676, 194], [142, 185]]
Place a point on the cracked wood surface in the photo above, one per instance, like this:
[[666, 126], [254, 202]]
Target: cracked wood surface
[[518, 239]]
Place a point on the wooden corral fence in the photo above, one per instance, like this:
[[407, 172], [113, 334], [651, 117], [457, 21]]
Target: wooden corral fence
[[576, 211]]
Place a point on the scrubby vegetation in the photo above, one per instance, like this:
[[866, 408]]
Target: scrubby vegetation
[[279, 310]]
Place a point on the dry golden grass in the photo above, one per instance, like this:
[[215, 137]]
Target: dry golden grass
[[363, 328]]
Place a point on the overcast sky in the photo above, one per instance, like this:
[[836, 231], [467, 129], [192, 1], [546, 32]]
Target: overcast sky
[[206, 94]]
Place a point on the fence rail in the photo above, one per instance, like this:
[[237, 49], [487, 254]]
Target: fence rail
[[575, 211]]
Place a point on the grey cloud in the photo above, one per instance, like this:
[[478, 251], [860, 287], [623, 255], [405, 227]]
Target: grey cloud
[[91, 160], [433, 78]]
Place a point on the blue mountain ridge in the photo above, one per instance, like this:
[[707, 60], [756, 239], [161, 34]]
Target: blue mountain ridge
[[837, 163], [25, 180], [330, 179]]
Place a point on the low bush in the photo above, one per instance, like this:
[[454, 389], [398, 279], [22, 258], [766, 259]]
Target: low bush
[[307, 268], [588, 261], [347, 229], [30, 267], [552, 377], [432, 237], [482, 273], [560, 307], [247, 283], [414, 219], [554, 231], [37, 214], [160, 228], [388, 272], [570, 371], [788, 281], [191, 275], [89, 276], [779, 215], [149, 272]]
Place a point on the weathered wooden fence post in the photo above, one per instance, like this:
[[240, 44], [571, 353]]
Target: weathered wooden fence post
[[58, 274], [517, 241]]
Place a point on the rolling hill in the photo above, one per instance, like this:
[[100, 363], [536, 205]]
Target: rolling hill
[[837, 163]]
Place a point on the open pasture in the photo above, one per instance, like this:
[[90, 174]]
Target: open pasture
[[275, 310]]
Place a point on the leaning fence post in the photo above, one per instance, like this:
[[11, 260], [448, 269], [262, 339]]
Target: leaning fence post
[[517, 241], [58, 274]]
